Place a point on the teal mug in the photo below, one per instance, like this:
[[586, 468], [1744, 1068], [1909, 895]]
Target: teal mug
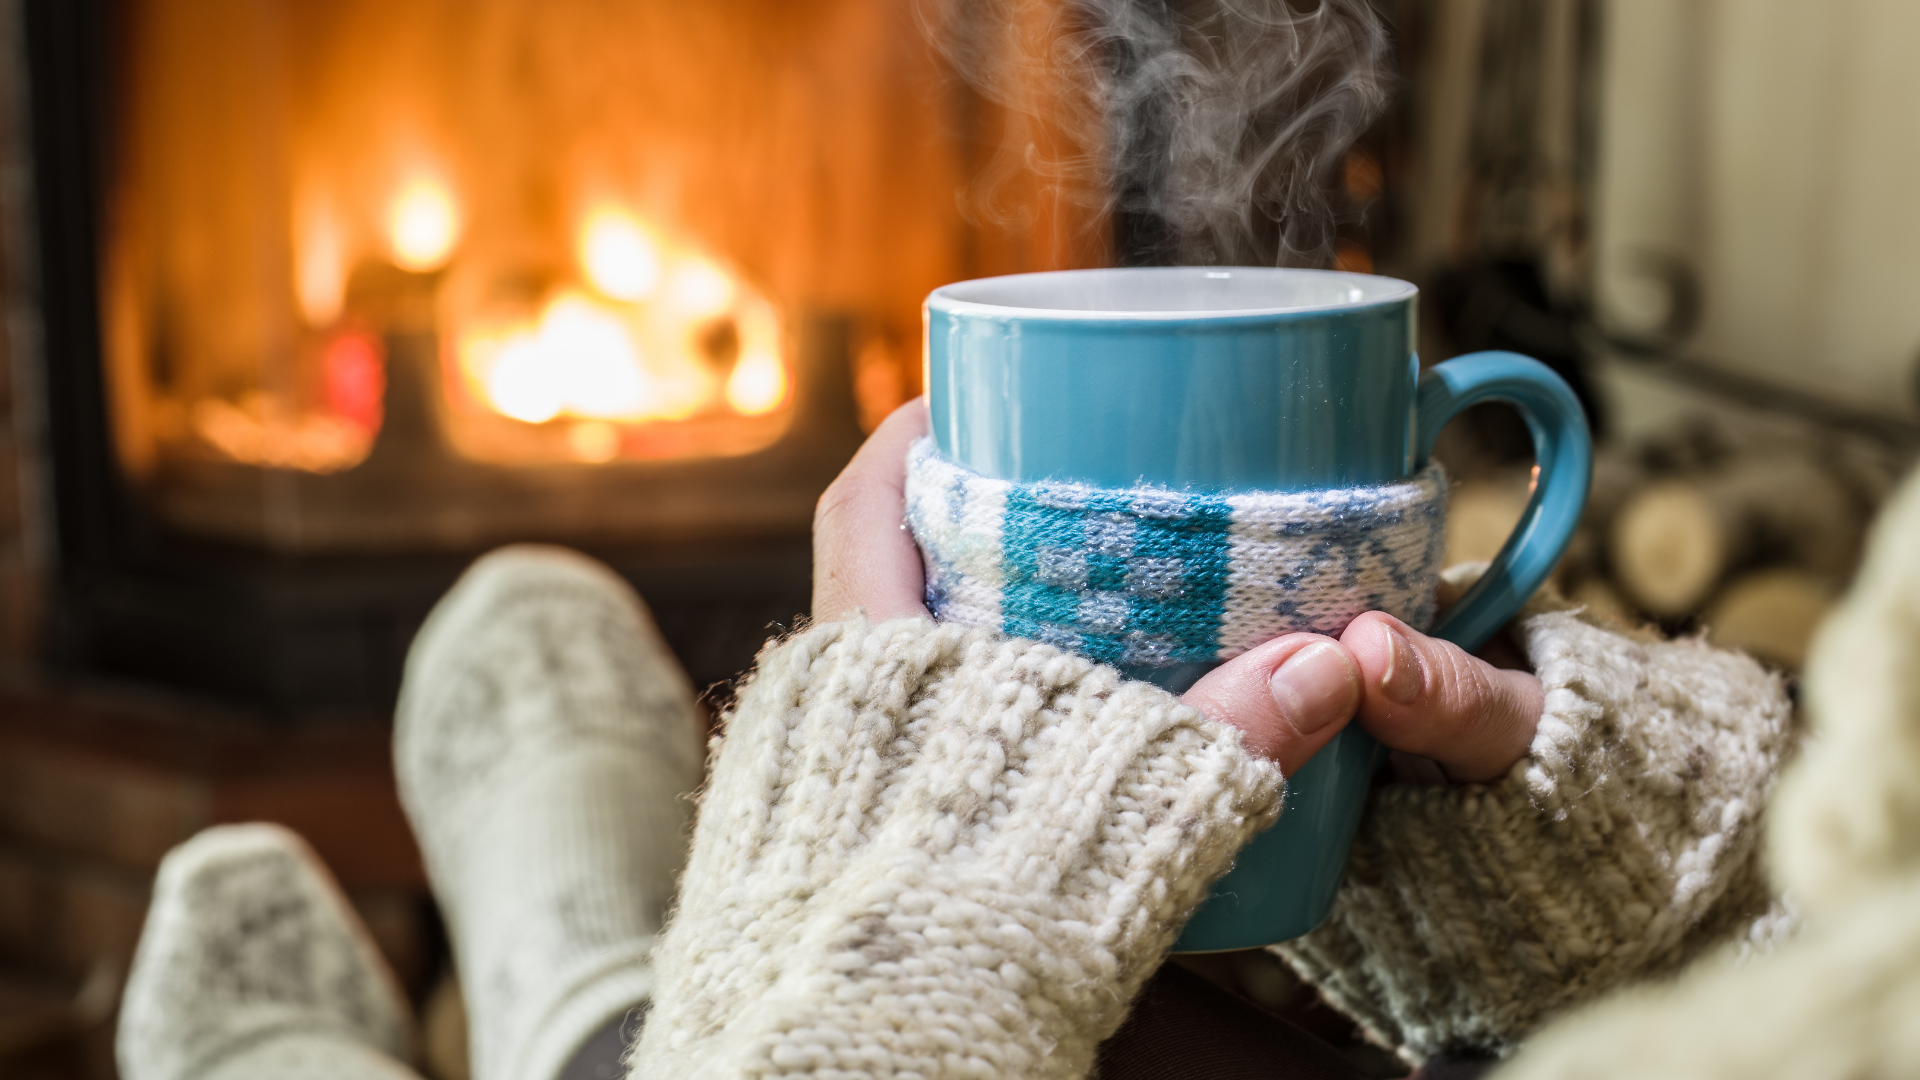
[[1225, 380]]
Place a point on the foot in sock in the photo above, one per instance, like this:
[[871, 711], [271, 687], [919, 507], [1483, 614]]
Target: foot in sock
[[253, 967], [544, 742]]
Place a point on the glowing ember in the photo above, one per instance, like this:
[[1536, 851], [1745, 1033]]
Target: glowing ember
[[354, 379], [594, 442], [261, 430], [617, 256], [423, 225]]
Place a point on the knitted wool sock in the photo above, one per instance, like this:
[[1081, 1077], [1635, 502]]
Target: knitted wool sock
[[253, 966], [544, 740], [1148, 577]]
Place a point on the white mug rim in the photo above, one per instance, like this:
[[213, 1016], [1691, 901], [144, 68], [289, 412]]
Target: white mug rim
[[1332, 291]]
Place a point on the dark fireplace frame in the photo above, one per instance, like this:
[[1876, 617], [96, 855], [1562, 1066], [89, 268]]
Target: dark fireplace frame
[[131, 598]]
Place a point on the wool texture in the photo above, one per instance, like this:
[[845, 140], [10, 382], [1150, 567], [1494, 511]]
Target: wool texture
[[1625, 845], [544, 741], [1149, 577], [1837, 1000], [931, 851], [252, 964]]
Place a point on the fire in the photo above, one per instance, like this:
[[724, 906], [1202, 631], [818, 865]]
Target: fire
[[698, 288], [656, 330], [617, 255], [590, 362], [423, 224], [758, 385], [582, 358], [320, 265], [517, 381]]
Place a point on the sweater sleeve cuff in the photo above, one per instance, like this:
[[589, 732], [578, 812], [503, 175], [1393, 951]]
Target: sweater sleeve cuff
[[1622, 845], [913, 830]]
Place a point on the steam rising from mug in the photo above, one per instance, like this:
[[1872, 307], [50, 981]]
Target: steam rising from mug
[[1216, 127]]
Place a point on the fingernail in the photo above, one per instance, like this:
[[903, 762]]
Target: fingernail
[[1316, 686], [1403, 679]]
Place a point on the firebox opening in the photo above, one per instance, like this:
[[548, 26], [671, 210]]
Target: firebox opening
[[373, 272]]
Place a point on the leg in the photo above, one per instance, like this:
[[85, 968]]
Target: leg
[[252, 967], [544, 742]]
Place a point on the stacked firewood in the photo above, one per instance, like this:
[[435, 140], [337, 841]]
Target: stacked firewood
[[1747, 533]]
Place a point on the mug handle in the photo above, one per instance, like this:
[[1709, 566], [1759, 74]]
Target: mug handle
[[1563, 451]]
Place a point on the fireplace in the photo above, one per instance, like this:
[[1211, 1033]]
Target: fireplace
[[338, 294]]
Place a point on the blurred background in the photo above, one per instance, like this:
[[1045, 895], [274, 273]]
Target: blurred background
[[308, 302]]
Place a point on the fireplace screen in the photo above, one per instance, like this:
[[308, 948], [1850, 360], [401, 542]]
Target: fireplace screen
[[430, 273]]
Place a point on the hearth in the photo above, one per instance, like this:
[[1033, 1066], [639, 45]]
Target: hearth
[[338, 294]]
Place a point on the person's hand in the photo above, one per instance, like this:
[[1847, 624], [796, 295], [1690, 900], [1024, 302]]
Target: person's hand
[[1430, 697], [1414, 693], [1288, 697], [863, 557]]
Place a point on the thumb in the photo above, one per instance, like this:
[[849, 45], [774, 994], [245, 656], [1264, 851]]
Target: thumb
[[1431, 697], [1288, 697]]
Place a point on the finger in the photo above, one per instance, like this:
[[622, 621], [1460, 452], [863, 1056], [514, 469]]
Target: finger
[[863, 556], [1430, 697], [1288, 697]]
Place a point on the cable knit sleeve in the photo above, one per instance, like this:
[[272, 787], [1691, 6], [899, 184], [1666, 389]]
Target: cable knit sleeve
[[1624, 845], [931, 851]]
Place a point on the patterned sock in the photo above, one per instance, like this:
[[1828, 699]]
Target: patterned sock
[[1150, 578], [253, 967], [544, 741]]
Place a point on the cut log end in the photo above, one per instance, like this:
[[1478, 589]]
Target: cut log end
[[1669, 548], [1770, 614]]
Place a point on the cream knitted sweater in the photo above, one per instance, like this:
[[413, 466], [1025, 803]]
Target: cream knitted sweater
[[1839, 1000], [926, 851], [1624, 845], [937, 852]]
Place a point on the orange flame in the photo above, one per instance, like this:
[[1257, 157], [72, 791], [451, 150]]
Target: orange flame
[[423, 224], [617, 255], [661, 332]]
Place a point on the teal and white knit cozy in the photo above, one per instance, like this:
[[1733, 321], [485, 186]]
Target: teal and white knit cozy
[[1149, 577]]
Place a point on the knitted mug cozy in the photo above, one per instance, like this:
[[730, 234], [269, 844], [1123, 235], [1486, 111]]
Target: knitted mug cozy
[[1149, 577]]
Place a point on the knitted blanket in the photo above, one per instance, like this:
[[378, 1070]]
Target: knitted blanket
[[1150, 577]]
